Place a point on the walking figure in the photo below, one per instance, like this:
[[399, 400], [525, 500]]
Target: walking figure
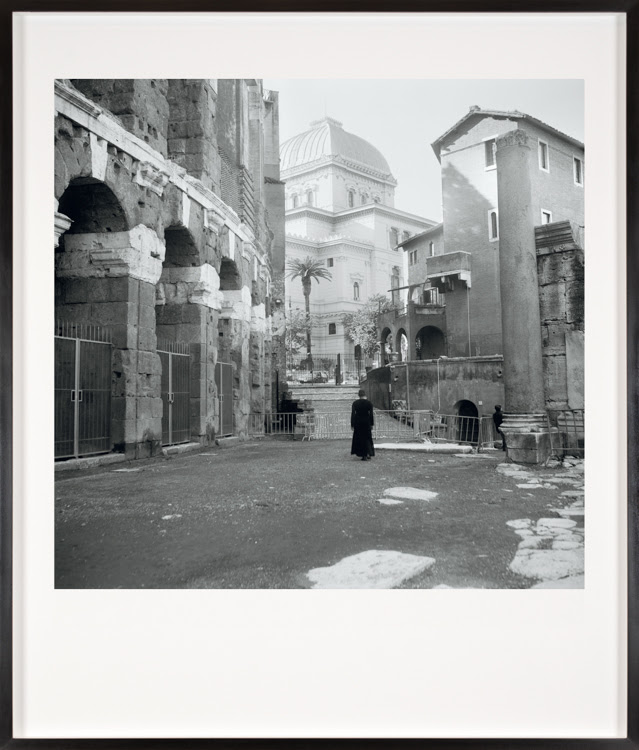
[[498, 418], [362, 422]]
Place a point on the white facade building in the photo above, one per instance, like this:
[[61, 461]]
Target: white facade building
[[340, 197]]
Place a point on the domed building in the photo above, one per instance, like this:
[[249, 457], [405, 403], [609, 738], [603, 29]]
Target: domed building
[[340, 210]]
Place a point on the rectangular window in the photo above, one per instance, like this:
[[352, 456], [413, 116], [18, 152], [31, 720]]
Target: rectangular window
[[394, 238], [329, 262], [431, 248], [331, 329], [578, 168], [493, 226], [546, 216], [412, 257], [490, 147], [544, 162]]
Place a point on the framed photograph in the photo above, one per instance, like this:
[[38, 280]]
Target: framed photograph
[[337, 301]]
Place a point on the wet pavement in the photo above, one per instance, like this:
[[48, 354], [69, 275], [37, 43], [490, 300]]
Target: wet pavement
[[283, 514]]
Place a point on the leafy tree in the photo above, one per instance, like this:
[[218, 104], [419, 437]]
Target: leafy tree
[[296, 327], [361, 325], [307, 270]]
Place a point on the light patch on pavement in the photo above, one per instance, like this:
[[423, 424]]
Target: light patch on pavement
[[425, 447], [373, 569], [532, 486], [515, 471], [389, 501], [125, 470], [410, 493], [170, 517]]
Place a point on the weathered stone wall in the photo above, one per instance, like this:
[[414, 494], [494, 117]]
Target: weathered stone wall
[[560, 264], [192, 130], [140, 105], [149, 250]]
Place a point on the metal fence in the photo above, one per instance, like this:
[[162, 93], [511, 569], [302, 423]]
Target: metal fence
[[567, 432], [325, 368], [397, 425], [83, 372], [175, 358]]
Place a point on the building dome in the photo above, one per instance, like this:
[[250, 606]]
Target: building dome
[[327, 139]]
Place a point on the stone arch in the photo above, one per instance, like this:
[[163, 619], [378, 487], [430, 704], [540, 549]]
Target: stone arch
[[401, 345], [105, 276], [230, 278], [181, 248], [92, 207], [467, 422], [430, 343]]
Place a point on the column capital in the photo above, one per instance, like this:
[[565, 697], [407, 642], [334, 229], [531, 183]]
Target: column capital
[[61, 224]]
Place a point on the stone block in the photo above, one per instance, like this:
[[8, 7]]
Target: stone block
[[528, 447], [75, 291], [146, 317], [147, 362], [147, 293], [147, 340], [113, 313]]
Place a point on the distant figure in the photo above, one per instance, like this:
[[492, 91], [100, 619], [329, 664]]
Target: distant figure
[[498, 418], [361, 422]]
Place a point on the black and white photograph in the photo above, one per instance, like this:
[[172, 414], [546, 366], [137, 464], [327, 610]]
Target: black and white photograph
[[318, 334]]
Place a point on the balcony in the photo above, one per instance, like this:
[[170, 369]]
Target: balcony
[[446, 271]]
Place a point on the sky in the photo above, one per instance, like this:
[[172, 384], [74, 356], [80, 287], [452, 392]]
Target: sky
[[401, 118]]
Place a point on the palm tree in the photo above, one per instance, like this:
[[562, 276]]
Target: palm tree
[[306, 270]]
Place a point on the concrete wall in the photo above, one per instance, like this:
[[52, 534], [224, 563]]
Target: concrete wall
[[469, 193], [476, 379], [555, 190]]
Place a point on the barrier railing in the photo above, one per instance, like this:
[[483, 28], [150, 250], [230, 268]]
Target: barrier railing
[[398, 424], [567, 432]]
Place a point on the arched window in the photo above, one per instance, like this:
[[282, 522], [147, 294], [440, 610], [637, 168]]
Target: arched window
[[351, 198], [309, 197], [294, 201], [356, 290], [332, 329]]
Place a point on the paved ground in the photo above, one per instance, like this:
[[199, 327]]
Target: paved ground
[[264, 514]]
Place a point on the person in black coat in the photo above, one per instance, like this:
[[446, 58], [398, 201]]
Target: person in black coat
[[498, 418], [362, 422]]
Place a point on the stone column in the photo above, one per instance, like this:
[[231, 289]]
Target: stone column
[[187, 305], [525, 424], [233, 347]]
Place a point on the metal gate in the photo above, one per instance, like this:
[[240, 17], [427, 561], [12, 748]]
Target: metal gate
[[224, 385], [83, 372], [176, 392]]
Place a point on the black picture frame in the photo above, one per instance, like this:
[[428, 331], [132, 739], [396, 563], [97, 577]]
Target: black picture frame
[[631, 10]]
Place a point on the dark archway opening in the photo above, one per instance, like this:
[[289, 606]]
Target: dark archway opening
[[230, 280], [430, 343], [181, 249], [93, 208], [468, 421]]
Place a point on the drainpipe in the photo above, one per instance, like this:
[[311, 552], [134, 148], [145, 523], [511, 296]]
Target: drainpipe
[[407, 387]]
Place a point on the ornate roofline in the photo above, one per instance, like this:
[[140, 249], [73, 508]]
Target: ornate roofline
[[352, 166]]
